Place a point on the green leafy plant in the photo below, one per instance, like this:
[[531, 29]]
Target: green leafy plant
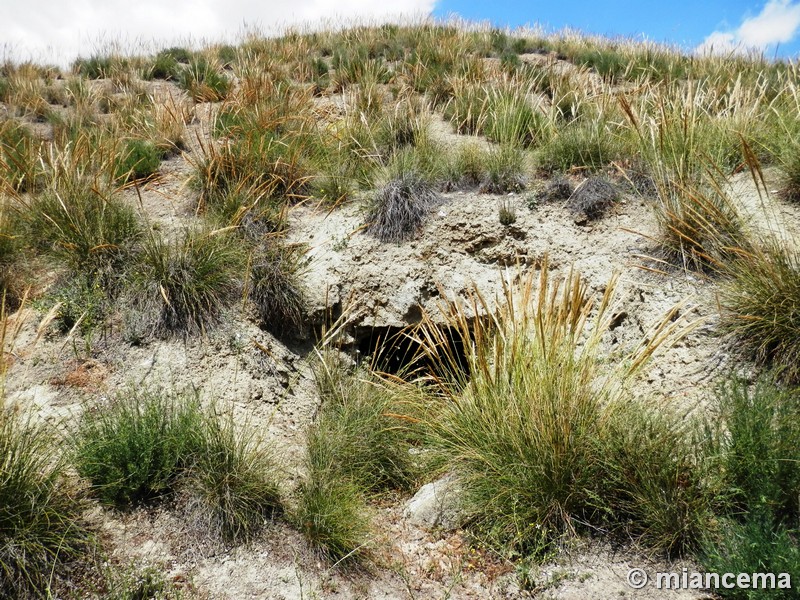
[[134, 449]]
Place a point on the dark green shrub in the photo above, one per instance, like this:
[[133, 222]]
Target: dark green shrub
[[754, 546], [180, 55], [761, 451], [227, 55], [81, 301], [134, 449]]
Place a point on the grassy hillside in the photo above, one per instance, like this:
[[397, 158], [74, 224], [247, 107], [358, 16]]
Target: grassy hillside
[[532, 414]]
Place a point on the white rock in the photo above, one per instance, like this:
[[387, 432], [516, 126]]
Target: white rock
[[435, 505]]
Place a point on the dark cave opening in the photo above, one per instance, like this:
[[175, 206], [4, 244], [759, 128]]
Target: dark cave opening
[[394, 350]]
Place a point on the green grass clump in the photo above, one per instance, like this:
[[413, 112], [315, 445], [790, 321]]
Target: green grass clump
[[700, 227], [512, 120], [86, 228], [134, 449], [40, 518], [356, 447], [204, 82], [583, 143], [334, 518], [147, 444], [354, 436], [505, 170], [761, 306], [232, 481], [276, 289], [182, 286], [18, 154], [95, 67], [163, 66], [534, 427], [139, 159]]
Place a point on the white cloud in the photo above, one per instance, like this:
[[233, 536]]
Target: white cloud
[[59, 30], [777, 23]]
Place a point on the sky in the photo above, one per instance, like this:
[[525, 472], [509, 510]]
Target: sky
[[59, 30]]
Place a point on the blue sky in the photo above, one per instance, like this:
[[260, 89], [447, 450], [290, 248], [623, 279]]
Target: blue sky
[[686, 23], [59, 30]]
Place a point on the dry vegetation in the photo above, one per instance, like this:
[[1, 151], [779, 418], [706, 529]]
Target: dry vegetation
[[547, 442]]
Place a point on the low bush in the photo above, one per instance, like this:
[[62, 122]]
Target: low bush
[[138, 159], [134, 582], [164, 66], [761, 450], [754, 546]]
